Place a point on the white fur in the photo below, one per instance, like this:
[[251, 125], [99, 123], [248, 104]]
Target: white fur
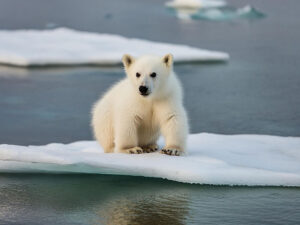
[[125, 121]]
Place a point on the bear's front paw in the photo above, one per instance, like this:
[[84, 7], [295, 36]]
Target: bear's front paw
[[134, 150], [171, 151], [150, 148]]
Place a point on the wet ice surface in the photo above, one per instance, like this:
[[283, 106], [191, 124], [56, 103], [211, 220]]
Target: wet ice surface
[[228, 13]]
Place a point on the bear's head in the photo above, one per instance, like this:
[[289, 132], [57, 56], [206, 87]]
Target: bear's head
[[148, 74]]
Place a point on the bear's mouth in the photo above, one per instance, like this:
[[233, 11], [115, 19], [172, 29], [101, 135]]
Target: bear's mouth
[[145, 94]]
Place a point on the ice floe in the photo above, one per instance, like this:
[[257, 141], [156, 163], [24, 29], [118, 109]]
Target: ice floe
[[218, 13], [211, 159], [63, 46], [228, 13], [195, 3]]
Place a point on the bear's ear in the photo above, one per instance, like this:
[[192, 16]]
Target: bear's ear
[[127, 60], [168, 60]]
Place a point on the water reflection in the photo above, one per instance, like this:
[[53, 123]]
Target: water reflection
[[122, 200], [149, 206], [91, 200]]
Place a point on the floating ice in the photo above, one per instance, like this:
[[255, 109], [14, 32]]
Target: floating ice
[[195, 3], [228, 13], [211, 159], [219, 13], [65, 46]]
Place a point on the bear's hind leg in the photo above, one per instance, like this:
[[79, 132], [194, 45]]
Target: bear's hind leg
[[103, 131], [106, 140], [126, 137]]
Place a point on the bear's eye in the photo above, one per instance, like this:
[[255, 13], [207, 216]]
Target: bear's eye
[[153, 74], [138, 74]]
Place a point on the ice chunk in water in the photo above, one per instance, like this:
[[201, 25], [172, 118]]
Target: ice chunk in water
[[196, 4], [228, 13], [225, 13], [211, 159], [63, 46]]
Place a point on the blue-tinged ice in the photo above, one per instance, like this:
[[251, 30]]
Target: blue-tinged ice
[[211, 159], [228, 13], [222, 13]]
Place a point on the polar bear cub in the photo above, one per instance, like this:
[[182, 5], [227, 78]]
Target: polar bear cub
[[130, 117]]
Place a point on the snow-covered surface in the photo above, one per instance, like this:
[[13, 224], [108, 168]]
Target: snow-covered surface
[[66, 46], [195, 3], [212, 159]]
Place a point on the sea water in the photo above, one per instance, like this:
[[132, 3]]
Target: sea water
[[257, 92]]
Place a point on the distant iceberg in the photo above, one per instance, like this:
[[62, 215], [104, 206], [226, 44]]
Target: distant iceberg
[[64, 46], [220, 13], [228, 13], [212, 159], [195, 3]]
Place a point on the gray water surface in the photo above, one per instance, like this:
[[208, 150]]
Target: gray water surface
[[90, 199], [257, 91]]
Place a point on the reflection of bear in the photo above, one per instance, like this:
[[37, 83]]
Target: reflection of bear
[[131, 115], [92, 199], [155, 207]]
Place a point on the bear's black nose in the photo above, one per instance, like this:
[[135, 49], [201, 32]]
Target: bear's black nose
[[143, 89]]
